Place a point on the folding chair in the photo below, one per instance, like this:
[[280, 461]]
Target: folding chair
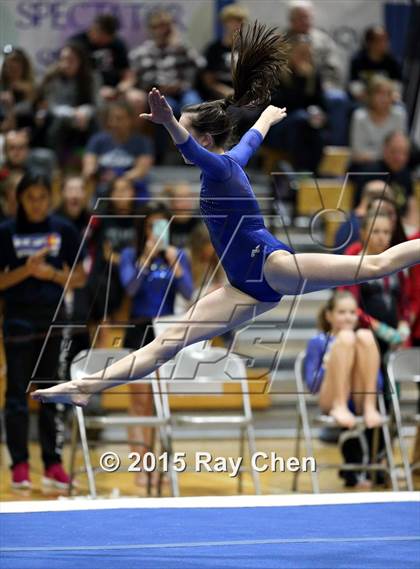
[[304, 424], [403, 367], [91, 361], [206, 371]]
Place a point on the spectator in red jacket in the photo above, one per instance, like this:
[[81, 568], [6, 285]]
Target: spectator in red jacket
[[415, 299], [415, 340], [384, 304], [380, 205]]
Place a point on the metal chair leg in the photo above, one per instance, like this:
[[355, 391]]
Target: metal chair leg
[[401, 440], [241, 454], [163, 448], [252, 450], [295, 479], [374, 453], [173, 475], [388, 446], [86, 456], [308, 440], [73, 450]]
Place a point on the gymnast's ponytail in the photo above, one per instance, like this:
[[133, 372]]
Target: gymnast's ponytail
[[259, 60]]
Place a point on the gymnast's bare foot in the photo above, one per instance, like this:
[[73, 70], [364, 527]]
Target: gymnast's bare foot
[[343, 416], [372, 418], [69, 393]]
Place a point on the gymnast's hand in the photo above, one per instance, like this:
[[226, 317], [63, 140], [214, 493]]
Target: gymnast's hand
[[161, 111], [274, 114]]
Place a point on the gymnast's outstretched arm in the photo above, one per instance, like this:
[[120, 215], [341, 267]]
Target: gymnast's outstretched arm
[[252, 139], [214, 165]]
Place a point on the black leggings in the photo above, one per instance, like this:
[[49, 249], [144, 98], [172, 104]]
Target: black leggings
[[31, 355]]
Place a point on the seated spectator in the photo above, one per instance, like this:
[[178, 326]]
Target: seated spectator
[[371, 125], [415, 300], [374, 58], [108, 53], [152, 272], [167, 62], [118, 151], [113, 232], [216, 77], [73, 204], [73, 207], [342, 364], [17, 87], [66, 109], [381, 206], [300, 91], [16, 152], [349, 231], [415, 341], [19, 157], [184, 207], [8, 202], [328, 63], [393, 168], [384, 304]]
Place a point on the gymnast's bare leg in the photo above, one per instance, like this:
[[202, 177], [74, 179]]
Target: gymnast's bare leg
[[227, 308], [213, 314], [301, 273]]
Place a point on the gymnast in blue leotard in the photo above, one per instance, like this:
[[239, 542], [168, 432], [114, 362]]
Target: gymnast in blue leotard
[[232, 215], [260, 268]]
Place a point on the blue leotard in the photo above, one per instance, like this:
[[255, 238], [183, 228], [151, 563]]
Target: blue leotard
[[232, 215]]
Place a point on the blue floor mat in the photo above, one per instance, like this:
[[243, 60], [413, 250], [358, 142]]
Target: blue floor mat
[[364, 536]]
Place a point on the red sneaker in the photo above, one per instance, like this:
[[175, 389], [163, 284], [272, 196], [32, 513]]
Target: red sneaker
[[56, 477], [20, 476]]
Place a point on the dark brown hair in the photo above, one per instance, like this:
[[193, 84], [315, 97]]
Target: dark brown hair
[[84, 78], [107, 23], [259, 59], [28, 180], [27, 71], [398, 233], [152, 208], [121, 105], [110, 203], [337, 295]]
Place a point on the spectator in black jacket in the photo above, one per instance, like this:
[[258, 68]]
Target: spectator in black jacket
[[393, 167], [216, 77], [108, 53], [374, 58], [300, 91]]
